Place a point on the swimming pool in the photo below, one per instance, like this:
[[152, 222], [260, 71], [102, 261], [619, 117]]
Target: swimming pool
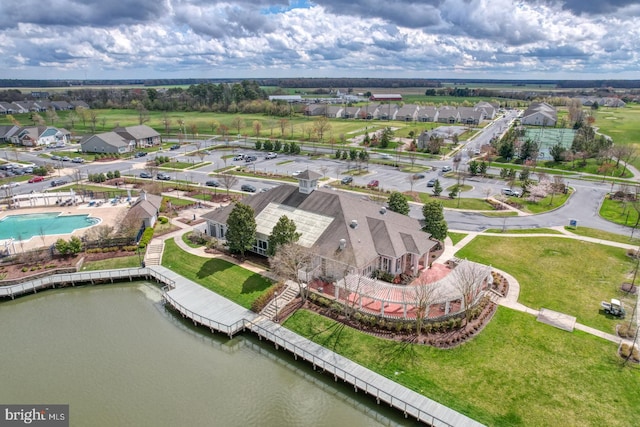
[[26, 226]]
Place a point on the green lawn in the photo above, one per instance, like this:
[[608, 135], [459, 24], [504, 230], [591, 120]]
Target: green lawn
[[619, 212], [622, 125], [224, 278], [604, 235], [523, 231], [117, 262], [560, 274], [456, 237], [543, 205], [517, 372], [458, 203]]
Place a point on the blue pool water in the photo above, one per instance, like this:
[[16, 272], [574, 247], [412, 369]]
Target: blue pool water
[[24, 227]]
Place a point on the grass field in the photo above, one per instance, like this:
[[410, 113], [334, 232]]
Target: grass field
[[229, 280], [517, 372], [560, 274], [603, 235], [618, 212], [130, 261], [622, 125]]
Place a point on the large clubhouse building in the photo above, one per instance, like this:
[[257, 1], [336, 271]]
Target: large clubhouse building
[[347, 234]]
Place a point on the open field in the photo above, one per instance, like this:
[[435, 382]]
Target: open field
[[564, 275], [517, 372], [622, 125], [229, 280]]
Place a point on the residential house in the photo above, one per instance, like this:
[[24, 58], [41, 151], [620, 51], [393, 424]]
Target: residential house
[[140, 136], [424, 138], [539, 114], [7, 132], [316, 110], [447, 114], [106, 142], [346, 234], [470, 115], [428, 114], [335, 112], [33, 136], [61, 105], [406, 113], [489, 109], [352, 112], [7, 108]]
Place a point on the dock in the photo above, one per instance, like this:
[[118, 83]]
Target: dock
[[206, 308]]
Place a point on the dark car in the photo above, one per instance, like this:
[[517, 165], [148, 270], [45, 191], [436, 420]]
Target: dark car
[[146, 175], [212, 183], [432, 182], [57, 182], [163, 176], [250, 159], [248, 187], [175, 147], [346, 180], [141, 154], [419, 176], [56, 158], [66, 159]]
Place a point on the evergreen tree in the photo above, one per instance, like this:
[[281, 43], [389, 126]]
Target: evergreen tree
[[437, 188], [241, 231], [434, 222], [398, 203], [283, 232]]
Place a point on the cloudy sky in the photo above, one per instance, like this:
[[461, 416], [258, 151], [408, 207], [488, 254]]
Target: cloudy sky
[[78, 39]]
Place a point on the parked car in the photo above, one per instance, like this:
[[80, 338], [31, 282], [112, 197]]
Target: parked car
[[419, 176], [374, 183], [77, 160], [140, 154], [163, 176], [174, 147], [36, 178], [146, 175], [9, 185], [386, 156], [238, 157], [56, 158], [296, 173], [431, 182], [28, 169], [250, 159], [271, 156], [346, 180], [212, 183], [57, 182], [510, 192], [248, 187], [446, 169], [65, 158]]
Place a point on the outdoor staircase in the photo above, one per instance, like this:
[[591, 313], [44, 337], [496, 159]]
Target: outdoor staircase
[[153, 256], [283, 298]]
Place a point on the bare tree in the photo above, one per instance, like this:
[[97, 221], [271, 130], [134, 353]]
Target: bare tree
[[425, 295], [324, 169], [468, 278], [228, 181], [238, 123], [411, 179], [288, 261], [283, 126], [257, 127]]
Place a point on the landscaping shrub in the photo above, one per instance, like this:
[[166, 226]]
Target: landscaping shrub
[[147, 235]]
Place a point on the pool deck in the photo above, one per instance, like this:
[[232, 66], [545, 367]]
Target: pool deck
[[107, 213]]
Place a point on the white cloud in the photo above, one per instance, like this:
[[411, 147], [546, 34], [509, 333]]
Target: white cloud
[[262, 38]]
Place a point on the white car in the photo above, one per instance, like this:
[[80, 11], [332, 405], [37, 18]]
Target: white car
[[386, 156], [271, 156], [11, 184]]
